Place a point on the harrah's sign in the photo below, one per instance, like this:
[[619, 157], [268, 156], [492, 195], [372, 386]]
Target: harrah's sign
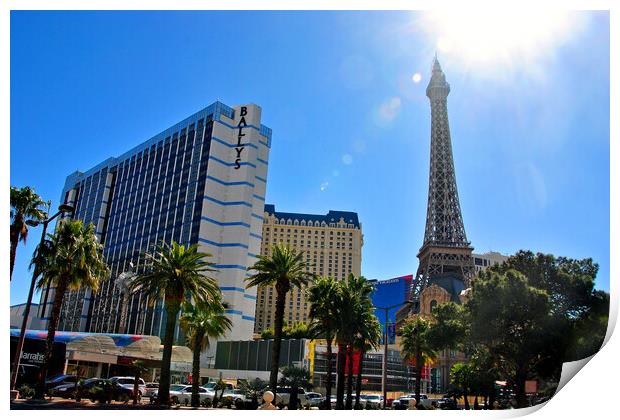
[[240, 146]]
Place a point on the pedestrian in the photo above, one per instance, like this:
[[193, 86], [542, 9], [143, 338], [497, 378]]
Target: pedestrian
[[412, 404]]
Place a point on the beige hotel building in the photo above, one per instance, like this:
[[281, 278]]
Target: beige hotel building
[[332, 244]]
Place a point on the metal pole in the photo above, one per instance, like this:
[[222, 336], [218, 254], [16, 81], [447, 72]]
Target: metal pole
[[385, 354], [22, 333]]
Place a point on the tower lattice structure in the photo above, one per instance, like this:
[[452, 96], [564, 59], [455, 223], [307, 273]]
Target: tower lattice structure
[[446, 249]]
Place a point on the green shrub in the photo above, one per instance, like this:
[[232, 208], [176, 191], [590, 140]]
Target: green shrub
[[25, 391]]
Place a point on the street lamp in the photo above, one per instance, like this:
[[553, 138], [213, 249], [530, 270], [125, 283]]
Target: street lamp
[[385, 348], [63, 208]]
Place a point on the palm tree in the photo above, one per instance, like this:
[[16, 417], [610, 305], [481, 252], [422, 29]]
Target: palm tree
[[70, 258], [416, 346], [285, 268], [354, 298], [295, 378], [202, 321], [323, 299], [368, 338], [176, 274], [25, 210]]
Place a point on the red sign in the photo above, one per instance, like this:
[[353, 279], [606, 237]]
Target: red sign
[[356, 362]]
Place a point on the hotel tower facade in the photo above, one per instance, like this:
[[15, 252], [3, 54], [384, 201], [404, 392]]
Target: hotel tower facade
[[332, 246], [201, 181]]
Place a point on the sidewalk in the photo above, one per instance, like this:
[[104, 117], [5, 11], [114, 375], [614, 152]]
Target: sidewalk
[[64, 404]]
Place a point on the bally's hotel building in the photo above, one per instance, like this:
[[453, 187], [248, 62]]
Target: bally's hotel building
[[201, 181]]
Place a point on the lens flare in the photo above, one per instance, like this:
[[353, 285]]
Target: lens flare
[[505, 38]]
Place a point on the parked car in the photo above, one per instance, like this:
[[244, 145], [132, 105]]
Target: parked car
[[150, 388], [314, 399], [234, 397], [446, 404], [402, 403], [95, 389], [283, 397], [127, 382], [371, 401], [333, 401], [59, 380], [182, 394]]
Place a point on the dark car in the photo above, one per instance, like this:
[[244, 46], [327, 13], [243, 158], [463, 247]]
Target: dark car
[[59, 380], [94, 389], [446, 404]]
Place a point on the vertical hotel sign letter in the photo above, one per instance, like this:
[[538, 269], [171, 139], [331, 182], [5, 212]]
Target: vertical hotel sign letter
[[239, 148]]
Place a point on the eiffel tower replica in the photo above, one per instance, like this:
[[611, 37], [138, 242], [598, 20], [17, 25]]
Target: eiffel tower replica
[[446, 255]]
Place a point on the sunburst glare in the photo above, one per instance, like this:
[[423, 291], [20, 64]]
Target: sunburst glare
[[498, 38]]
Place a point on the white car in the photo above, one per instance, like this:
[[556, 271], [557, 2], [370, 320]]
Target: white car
[[314, 399], [127, 382], [234, 395], [182, 394], [402, 403], [151, 387], [283, 397], [371, 401]]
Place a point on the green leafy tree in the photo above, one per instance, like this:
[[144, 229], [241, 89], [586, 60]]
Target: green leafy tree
[[418, 347], [284, 268], [176, 274], [70, 258], [26, 208], [486, 371], [462, 376], [590, 328], [267, 334], [202, 321], [450, 327], [511, 319], [295, 378], [323, 300], [298, 330], [569, 284]]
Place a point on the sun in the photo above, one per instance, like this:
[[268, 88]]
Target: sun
[[498, 37]]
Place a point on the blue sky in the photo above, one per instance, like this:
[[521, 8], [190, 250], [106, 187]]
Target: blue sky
[[351, 129]]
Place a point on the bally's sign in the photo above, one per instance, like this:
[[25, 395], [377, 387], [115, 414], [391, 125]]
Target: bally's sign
[[240, 146]]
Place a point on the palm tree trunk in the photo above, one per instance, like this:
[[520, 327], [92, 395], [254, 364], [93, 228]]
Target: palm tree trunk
[[292, 403], [492, 396], [163, 395], [328, 382], [340, 378], [466, 399], [277, 339], [136, 381], [358, 385], [418, 378], [14, 242], [476, 405], [59, 296], [350, 379], [196, 369]]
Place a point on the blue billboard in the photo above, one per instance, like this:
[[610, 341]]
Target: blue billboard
[[388, 293]]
